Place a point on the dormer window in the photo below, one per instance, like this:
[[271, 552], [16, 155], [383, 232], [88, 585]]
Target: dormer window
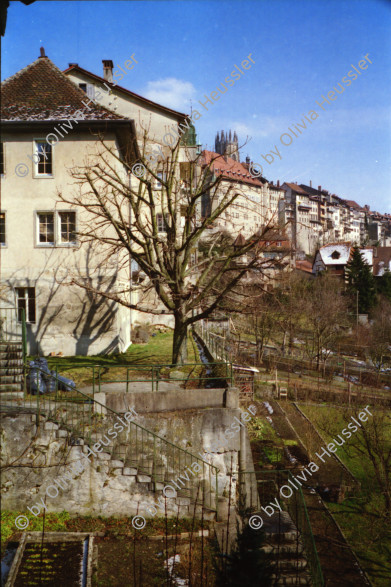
[[335, 255]]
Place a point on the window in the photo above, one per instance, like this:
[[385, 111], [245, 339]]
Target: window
[[56, 228], [83, 87], [67, 227], [2, 229], [161, 223], [46, 228], [45, 158], [335, 255], [26, 301], [162, 176], [1, 158]]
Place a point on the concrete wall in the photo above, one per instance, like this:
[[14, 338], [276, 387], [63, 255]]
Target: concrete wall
[[162, 401]]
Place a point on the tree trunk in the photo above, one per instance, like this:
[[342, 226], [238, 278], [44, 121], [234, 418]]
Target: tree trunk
[[179, 347]]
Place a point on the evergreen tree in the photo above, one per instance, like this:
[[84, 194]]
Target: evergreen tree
[[247, 564], [360, 279], [383, 284]]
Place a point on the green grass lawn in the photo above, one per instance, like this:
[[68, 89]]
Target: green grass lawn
[[362, 516], [138, 360]]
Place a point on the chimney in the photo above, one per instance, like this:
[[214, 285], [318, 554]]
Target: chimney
[[278, 183], [108, 70], [248, 160], [310, 184], [42, 51], [319, 188], [73, 64]]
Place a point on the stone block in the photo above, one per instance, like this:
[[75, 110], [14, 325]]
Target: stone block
[[143, 479], [104, 456], [115, 464], [50, 426], [62, 434], [182, 501], [129, 471], [117, 472]]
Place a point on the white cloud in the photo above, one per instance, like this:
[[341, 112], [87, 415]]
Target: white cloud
[[171, 92]]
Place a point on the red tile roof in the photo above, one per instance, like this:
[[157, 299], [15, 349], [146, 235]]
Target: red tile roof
[[42, 92], [353, 204], [230, 169], [304, 266], [296, 188], [77, 68]]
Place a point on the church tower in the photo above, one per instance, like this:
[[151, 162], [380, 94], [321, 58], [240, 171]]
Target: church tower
[[225, 144]]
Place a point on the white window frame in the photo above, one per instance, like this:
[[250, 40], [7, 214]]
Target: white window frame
[[4, 244], [37, 222], [160, 222], [28, 301], [57, 242], [162, 175], [37, 175], [4, 165]]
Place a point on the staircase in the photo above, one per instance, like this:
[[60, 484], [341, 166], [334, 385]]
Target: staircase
[[151, 460], [286, 549], [12, 345], [11, 366]]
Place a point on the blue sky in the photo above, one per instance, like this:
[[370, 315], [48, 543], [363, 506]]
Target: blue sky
[[185, 49]]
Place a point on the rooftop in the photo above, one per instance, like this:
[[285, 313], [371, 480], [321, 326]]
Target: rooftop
[[40, 91]]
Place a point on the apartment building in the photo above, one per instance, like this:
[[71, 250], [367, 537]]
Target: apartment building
[[256, 204]]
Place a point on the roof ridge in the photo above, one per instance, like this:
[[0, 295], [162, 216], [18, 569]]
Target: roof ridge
[[41, 91], [20, 72]]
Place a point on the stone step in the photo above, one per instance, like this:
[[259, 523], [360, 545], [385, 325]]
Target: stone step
[[304, 579], [11, 373], [284, 549], [6, 347], [8, 362], [290, 565], [10, 387], [10, 378]]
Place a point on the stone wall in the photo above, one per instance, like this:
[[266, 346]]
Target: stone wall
[[35, 457]]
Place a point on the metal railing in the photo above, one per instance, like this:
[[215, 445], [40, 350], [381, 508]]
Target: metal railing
[[269, 483], [11, 328], [215, 343], [152, 455], [150, 373]]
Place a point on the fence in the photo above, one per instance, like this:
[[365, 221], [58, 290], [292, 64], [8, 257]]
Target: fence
[[13, 325], [153, 374], [269, 483], [215, 343], [87, 418]]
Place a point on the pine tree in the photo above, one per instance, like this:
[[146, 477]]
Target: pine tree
[[247, 563], [384, 284], [360, 279]]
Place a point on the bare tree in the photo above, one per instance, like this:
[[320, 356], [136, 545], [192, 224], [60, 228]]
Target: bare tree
[[379, 339], [155, 220], [325, 309]]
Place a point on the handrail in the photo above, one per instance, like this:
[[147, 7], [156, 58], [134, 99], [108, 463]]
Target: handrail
[[93, 408], [154, 370], [312, 553]]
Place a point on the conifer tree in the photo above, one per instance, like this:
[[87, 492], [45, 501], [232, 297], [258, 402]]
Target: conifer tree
[[360, 279]]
